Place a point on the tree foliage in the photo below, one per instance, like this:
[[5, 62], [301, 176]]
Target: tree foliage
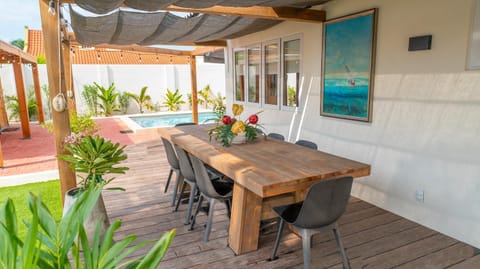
[[173, 100]]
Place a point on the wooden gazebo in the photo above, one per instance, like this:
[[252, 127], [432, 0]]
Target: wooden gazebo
[[13, 55]]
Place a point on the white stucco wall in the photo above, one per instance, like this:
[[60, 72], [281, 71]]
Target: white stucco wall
[[130, 78], [426, 113]]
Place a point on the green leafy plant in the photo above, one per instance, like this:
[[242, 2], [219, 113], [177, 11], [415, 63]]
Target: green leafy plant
[[219, 103], [204, 96], [108, 99], [14, 107], [19, 43], [291, 96], [173, 100], [143, 99], [90, 96], [79, 124], [94, 157], [124, 100], [41, 59], [48, 243]]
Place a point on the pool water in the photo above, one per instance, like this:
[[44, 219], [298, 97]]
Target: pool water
[[172, 119]]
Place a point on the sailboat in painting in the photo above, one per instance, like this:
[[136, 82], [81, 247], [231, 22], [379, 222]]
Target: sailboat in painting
[[351, 79]]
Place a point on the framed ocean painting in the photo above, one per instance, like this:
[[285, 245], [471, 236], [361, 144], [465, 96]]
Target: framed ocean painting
[[348, 66]]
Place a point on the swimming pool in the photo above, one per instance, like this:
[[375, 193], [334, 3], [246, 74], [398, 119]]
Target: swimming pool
[[170, 119]]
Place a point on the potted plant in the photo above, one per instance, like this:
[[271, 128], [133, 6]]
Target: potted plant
[[230, 130], [92, 158]]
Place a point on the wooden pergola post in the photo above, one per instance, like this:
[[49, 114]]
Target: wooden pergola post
[[3, 110], [38, 93], [56, 82], [22, 100], [193, 78]]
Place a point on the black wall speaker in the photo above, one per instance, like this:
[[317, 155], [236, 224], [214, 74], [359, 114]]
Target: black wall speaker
[[420, 43]]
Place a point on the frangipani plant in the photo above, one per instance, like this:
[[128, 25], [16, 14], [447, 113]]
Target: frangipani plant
[[93, 157], [228, 127]]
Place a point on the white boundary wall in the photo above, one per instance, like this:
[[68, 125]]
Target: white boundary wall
[[130, 78]]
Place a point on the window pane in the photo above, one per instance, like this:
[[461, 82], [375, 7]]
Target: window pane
[[291, 72], [254, 75], [239, 76], [272, 61]]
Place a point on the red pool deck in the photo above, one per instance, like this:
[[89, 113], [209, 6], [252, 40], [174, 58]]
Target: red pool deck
[[37, 154]]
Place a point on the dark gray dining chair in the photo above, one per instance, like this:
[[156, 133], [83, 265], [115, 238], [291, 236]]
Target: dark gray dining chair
[[212, 191], [306, 143], [188, 178], [324, 204], [174, 167], [276, 136]]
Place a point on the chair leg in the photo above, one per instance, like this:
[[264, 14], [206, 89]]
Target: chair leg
[[193, 191], [175, 191], [184, 185], [306, 248], [194, 216], [168, 180], [229, 208], [210, 219], [281, 223], [346, 263]]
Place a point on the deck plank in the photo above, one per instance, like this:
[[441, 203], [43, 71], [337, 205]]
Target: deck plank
[[374, 238]]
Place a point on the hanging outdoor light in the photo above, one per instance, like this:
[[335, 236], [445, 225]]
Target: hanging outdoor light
[[51, 8]]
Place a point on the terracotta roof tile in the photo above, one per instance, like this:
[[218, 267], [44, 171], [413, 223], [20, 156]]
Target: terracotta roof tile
[[89, 55]]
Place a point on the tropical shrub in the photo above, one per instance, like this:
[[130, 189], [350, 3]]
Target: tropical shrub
[[173, 100], [79, 124], [219, 103], [90, 97], [14, 108], [124, 101], [143, 100], [204, 96], [108, 99], [52, 244]]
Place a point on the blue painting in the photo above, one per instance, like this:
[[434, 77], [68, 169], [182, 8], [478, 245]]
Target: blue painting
[[348, 58]]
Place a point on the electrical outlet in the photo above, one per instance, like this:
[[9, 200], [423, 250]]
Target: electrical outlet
[[420, 196]]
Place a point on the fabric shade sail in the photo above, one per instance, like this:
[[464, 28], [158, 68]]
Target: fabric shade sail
[[146, 25]]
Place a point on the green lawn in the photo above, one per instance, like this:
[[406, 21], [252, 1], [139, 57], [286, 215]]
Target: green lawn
[[49, 191]]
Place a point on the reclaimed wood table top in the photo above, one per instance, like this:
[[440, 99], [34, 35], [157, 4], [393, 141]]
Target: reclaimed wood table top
[[266, 166]]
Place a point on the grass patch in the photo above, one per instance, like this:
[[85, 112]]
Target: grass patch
[[49, 191]]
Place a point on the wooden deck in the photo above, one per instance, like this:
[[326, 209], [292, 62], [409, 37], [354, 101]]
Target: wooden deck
[[373, 238]]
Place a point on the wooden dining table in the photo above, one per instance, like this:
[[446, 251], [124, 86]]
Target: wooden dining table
[[266, 173]]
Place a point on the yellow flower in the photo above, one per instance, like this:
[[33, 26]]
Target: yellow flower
[[237, 109], [238, 127]]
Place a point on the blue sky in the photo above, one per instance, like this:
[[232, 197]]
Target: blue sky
[[15, 15]]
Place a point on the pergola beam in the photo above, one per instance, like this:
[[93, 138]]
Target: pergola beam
[[259, 12], [8, 50]]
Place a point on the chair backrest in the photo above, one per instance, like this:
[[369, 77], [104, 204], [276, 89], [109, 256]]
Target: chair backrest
[[204, 182], [185, 164], [308, 144], [185, 123], [171, 156], [276, 136], [324, 203]]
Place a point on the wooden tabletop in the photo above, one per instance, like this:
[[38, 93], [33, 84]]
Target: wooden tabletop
[[266, 166]]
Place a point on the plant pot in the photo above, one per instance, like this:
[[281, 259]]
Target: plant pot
[[99, 213], [239, 138]]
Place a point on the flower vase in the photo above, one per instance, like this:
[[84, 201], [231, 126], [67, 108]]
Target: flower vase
[[239, 139]]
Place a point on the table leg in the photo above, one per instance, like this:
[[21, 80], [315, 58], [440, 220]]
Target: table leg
[[245, 220]]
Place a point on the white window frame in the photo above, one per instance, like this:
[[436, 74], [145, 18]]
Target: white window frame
[[299, 106], [279, 71], [234, 75], [247, 75]]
